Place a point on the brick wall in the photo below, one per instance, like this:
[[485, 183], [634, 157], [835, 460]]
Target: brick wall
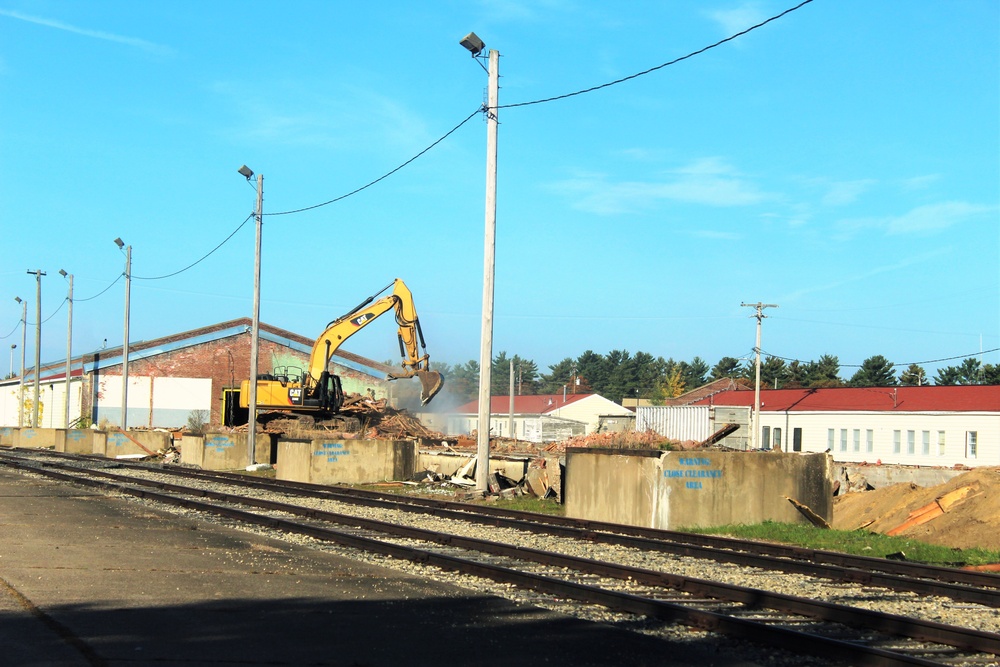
[[227, 363]]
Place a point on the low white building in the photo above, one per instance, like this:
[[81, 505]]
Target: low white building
[[543, 417], [941, 426]]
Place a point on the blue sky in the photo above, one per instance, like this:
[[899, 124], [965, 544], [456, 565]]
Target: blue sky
[[842, 162]]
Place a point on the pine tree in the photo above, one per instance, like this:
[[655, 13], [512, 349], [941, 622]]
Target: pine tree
[[913, 376], [728, 367], [876, 371]]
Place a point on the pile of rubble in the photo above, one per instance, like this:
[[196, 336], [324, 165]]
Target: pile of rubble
[[961, 513], [359, 417], [623, 440], [540, 480]]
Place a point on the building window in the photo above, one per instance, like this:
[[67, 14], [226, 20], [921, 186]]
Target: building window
[[765, 439], [971, 438], [895, 441], [830, 439], [843, 439], [925, 443], [940, 443], [911, 442], [857, 439], [869, 440], [777, 437], [796, 439]]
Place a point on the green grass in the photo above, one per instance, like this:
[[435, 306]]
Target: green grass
[[525, 504], [858, 542]]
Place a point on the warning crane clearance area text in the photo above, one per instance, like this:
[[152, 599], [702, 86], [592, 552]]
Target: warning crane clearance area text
[[693, 476], [332, 451]]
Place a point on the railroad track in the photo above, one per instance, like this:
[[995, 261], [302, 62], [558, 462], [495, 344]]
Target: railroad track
[[847, 634]]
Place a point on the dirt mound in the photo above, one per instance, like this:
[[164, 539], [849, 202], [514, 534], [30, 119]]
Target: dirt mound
[[965, 511]]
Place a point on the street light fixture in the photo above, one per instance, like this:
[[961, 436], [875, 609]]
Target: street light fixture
[[255, 327], [20, 383], [128, 290], [69, 340], [475, 45]]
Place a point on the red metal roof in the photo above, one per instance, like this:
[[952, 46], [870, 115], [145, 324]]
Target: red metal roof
[[535, 405], [977, 398]]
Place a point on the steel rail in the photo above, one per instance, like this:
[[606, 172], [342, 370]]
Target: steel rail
[[965, 585], [891, 624], [968, 586]]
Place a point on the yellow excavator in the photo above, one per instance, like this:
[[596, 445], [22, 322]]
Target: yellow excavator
[[316, 392]]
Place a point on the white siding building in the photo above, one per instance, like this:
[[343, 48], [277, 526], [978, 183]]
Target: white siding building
[[542, 418], [922, 426]]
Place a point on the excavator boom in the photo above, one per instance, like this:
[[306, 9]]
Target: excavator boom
[[319, 391]]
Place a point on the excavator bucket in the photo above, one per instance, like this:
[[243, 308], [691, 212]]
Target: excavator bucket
[[431, 383]]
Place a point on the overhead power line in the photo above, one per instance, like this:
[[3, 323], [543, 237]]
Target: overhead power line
[[898, 365], [196, 262], [658, 67], [484, 108], [113, 283], [387, 174]]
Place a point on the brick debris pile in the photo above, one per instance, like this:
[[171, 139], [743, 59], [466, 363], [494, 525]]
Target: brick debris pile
[[377, 420]]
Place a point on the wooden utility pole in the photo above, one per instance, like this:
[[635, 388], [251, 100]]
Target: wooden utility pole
[[255, 328], [38, 341], [759, 314], [486, 342]]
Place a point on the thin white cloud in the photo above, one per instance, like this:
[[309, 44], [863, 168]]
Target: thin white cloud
[[850, 278], [846, 192], [717, 235], [95, 34], [302, 116], [925, 220], [526, 11], [738, 19], [919, 182], [709, 182], [935, 217]]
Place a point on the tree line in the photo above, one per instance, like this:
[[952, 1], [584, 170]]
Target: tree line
[[618, 375]]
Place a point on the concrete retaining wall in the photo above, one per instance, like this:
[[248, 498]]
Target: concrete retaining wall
[[672, 490], [119, 444], [224, 451], [83, 441], [40, 438], [887, 475], [345, 461]]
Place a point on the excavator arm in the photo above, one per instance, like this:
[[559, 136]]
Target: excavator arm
[[415, 362]]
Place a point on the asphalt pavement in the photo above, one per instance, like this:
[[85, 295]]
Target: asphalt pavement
[[92, 580]]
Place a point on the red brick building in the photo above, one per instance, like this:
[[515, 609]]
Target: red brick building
[[170, 378]]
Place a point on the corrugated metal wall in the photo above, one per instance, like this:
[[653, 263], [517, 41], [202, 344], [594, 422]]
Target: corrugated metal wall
[[677, 422], [724, 414]]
